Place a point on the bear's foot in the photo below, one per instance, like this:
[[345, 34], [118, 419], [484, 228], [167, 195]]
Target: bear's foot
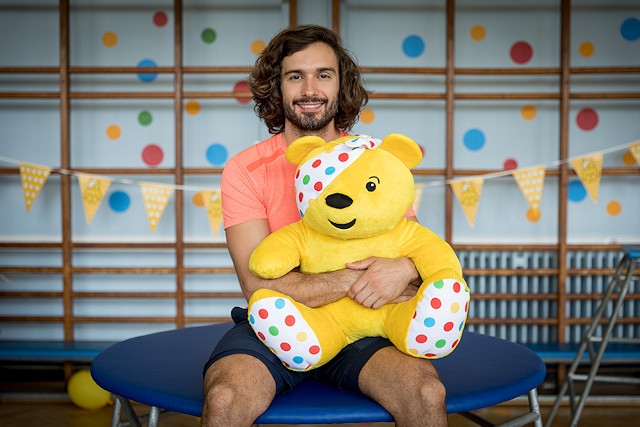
[[439, 319], [282, 327]]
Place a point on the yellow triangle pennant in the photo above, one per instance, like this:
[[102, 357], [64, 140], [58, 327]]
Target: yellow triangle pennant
[[468, 194], [213, 205], [93, 190], [155, 198], [634, 149], [416, 201], [33, 178], [531, 183], [589, 170]]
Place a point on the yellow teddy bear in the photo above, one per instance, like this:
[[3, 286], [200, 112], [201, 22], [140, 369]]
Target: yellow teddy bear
[[352, 194]]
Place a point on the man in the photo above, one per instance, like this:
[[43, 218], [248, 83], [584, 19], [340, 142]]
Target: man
[[305, 83]]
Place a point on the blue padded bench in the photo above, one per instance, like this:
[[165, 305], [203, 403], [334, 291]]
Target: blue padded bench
[[51, 351], [565, 353], [164, 370]]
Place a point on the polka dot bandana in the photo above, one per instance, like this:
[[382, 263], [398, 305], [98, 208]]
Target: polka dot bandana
[[313, 176]]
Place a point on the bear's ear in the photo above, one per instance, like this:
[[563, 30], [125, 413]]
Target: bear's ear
[[299, 148], [404, 148]]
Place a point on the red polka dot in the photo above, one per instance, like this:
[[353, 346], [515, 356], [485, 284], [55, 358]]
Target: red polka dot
[[300, 196], [242, 87], [298, 174], [430, 354], [152, 155], [415, 313], [587, 119], [448, 326], [421, 339], [317, 186], [455, 343], [261, 335], [314, 349], [290, 320], [466, 306], [343, 157], [285, 346], [436, 303], [316, 163], [160, 19], [521, 52], [263, 313], [510, 164], [456, 287]]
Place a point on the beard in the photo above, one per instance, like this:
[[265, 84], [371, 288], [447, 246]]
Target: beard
[[310, 122]]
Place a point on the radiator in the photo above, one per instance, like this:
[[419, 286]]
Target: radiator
[[509, 309]]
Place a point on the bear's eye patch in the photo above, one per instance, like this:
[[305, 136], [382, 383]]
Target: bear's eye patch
[[371, 185]]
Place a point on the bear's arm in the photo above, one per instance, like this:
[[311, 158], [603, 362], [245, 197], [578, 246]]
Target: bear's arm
[[433, 257], [278, 253]]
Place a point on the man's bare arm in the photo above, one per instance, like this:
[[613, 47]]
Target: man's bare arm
[[313, 290]]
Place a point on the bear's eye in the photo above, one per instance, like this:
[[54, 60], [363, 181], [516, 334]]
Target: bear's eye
[[371, 186]]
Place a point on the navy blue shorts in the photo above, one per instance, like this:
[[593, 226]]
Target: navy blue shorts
[[342, 371]]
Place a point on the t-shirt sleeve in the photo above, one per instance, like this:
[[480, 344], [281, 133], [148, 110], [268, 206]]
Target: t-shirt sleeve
[[241, 199]]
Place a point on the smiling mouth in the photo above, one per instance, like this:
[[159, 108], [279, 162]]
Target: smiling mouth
[[344, 226]]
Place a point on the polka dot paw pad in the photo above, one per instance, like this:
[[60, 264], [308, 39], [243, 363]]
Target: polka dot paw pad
[[281, 327], [439, 319]]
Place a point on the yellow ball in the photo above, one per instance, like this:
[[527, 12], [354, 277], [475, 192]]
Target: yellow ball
[[84, 392]]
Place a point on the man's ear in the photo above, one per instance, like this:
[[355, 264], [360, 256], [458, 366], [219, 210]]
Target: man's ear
[[299, 148], [404, 148]]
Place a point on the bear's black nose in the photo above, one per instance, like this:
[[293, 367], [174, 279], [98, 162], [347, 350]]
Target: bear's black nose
[[338, 201]]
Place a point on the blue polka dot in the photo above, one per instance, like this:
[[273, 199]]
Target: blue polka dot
[[630, 29], [147, 77], [474, 139], [298, 359], [330, 170], [217, 154], [119, 201], [279, 303], [429, 322], [251, 319], [576, 191], [413, 46]]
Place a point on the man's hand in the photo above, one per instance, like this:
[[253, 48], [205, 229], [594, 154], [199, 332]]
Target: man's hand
[[385, 280]]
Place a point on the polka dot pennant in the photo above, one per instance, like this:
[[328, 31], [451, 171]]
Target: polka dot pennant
[[589, 170], [468, 194], [439, 319], [155, 198], [32, 178], [634, 149], [93, 189], [213, 205], [531, 183], [316, 174]]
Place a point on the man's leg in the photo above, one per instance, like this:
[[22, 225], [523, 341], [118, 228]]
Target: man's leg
[[237, 389], [408, 388]]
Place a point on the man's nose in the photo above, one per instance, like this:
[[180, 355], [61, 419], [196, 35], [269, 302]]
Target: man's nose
[[310, 87]]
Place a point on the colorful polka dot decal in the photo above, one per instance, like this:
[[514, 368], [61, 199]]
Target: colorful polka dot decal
[[413, 46]]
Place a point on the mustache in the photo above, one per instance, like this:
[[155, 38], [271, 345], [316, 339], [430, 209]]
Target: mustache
[[307, 100]]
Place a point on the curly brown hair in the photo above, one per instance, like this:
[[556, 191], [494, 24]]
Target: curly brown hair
[[265, 77]]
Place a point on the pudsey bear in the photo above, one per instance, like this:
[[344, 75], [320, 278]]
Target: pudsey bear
[[353, 194]]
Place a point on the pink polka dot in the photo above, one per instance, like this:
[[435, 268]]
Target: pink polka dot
[[343, 157], [510, 164], [317, 186], [314, 349], [316, 163], [152, 155], [587, 119], [436, 303], [290, 320], [160, 19], [263, 313], [448, 326], [285, 346], [421, 339], [521, 52]]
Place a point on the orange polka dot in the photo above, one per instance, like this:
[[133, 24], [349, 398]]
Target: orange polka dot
[[109, 39], [193, 107], [197, 199], [628, 159], [586, 49], [477, 32], [533, 215], [528, 112], [113, 132], [367, 116], [257, 46], [614, 208]]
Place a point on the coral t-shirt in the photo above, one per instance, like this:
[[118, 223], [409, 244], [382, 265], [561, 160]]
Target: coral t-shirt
[[258, 183]]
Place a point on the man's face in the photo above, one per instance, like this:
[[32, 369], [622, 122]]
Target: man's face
[[310, 83]]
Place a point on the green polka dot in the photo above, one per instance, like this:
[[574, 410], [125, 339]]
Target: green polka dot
[[306, 179], [441, 343], [274, 331], [144, 118], [439, 284], [208, 35]]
